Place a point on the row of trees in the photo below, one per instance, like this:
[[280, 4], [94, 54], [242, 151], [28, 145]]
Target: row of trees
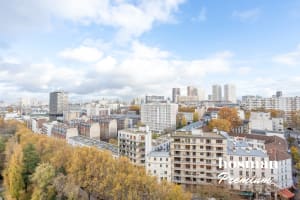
[[41, 168]]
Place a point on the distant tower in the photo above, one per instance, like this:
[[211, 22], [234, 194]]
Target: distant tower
[[217, 93], [230, 93], [175, 94], [279, 94], [192, 91], [58, 105]]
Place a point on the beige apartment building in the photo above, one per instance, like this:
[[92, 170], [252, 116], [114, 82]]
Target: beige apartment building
[[135, 143], [195, 157]]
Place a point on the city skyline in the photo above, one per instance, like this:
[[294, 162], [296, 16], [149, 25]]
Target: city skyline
[[93, 51]]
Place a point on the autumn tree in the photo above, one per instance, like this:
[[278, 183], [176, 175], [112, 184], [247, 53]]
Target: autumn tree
[[195, 116], [220, 124], [186, 109], [295, 120], [42, 180], [135, 108], [183, 121], [13, 179], [247, 114], [231, 115], [180, 121]]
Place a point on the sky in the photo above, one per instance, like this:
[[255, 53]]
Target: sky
[[123, 49]]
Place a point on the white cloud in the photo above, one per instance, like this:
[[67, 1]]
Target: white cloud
[[291, 58], [202, 16], [130, 18], [247, 15], [82, 53], [142, 69], [244, 70]]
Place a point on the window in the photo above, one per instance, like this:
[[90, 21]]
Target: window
[[241, 173], [240, 159], [231, 157], [219, 141]]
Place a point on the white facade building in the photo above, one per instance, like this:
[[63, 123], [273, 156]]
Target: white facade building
[[230, 93], [159, 116], [217, 93], [135, 143], [158, 163], [263, 121]]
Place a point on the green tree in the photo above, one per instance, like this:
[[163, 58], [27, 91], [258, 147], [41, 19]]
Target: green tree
[[2, 144], [42, 180], [31, 160]]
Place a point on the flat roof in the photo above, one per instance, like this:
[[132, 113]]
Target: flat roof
[[85, 141], [200, 134]]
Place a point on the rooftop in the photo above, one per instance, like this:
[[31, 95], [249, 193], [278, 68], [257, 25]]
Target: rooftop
[[85, 141], [192, 126], [198, 133]]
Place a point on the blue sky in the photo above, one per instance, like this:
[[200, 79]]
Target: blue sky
[[119, 48]]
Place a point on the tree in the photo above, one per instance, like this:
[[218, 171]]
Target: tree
[[231, 115], [247, 115], [295, 120], [30, 161], [220, 124], [135, 108], [42, 180], [13, 175], [183, 121], [195, 116], [113, 141], [2, 145], [186, 109], [276, 113]]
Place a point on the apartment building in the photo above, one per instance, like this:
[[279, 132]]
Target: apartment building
[[230, 93], [264, 121], [159, 116], [276, 148], [195, 157], [58, 105], [158, 163], [286, 104], [247, 158], [135, 143], [217, 93]]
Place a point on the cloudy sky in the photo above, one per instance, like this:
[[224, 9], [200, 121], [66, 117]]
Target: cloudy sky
[[119, 48]]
